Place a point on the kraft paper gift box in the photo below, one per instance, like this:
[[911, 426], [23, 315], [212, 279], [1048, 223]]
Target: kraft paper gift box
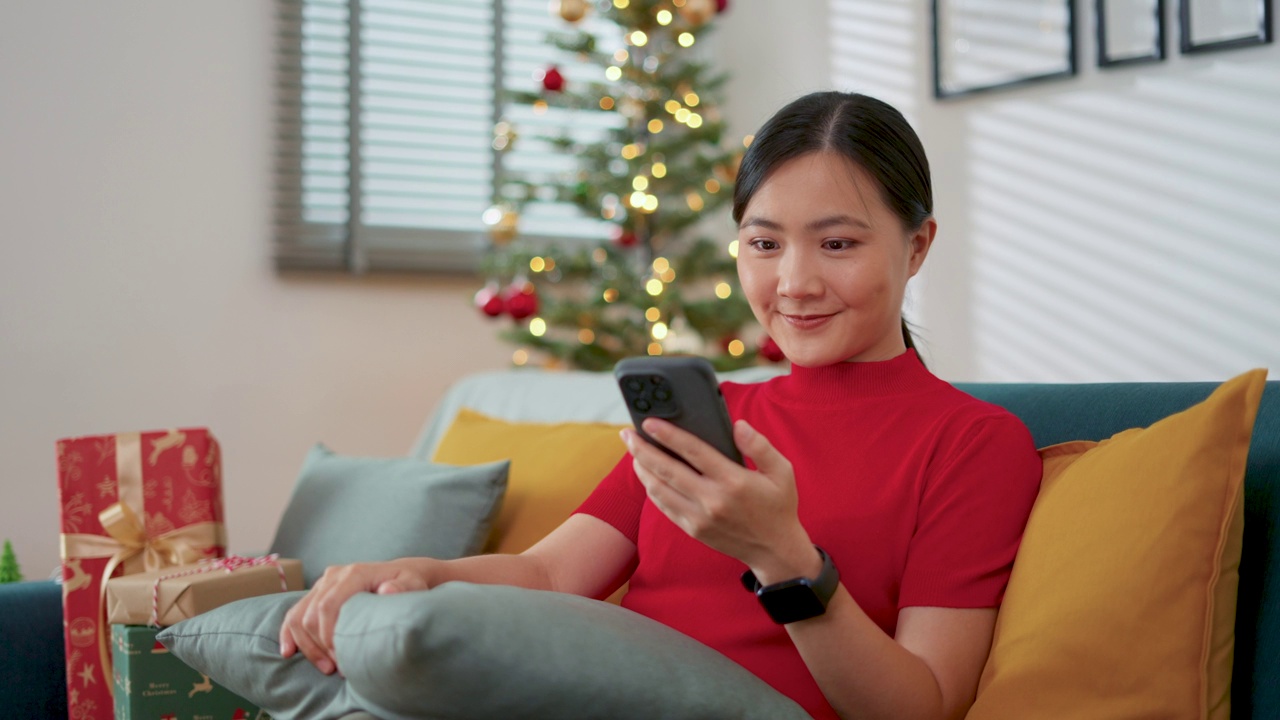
[[151, 684], [130, 502], [167, 596]]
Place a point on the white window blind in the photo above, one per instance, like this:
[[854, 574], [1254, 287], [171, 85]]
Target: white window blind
[[386, 114]]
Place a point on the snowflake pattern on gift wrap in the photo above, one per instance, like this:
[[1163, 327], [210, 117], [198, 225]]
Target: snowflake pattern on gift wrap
[[194, 509]]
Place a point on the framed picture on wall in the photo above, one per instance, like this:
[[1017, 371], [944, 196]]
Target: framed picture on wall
[[1224, 24], [1129, 31], [982, 45]]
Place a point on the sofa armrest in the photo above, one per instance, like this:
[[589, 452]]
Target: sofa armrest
[[32, 664]]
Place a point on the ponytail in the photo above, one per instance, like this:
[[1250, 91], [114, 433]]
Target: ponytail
[[910, 341]]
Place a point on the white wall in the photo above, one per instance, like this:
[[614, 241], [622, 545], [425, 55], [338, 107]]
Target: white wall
[[1119, 225]]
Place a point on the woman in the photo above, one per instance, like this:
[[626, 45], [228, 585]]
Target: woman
[[881, 509]]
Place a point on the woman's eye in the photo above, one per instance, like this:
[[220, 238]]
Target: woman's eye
[[763, 244], [837, 244]]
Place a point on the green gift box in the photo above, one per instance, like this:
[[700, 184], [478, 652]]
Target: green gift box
[[151, 684]]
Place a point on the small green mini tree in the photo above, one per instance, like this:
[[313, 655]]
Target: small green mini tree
[[9, 570]]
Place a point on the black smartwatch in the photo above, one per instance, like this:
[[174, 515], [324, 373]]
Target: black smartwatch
[[799, 599]]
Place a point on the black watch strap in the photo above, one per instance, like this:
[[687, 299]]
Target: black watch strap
[[798, 599]]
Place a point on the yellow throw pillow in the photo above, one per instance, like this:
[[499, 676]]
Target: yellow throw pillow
[[1122, 599], [554, 467]]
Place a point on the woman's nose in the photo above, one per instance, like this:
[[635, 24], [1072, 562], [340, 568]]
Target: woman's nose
[[799, 276]]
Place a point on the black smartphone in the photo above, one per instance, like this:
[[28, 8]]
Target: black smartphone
[[682, 390]]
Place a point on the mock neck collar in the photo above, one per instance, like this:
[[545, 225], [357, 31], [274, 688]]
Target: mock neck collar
[[839, 383]]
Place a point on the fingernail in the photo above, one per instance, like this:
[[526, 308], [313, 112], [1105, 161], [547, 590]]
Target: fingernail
[[325, 667], [626, 438]]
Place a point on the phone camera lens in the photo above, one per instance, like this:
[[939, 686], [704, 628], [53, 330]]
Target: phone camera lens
[[641, 404], [662, 394], [635, 384]]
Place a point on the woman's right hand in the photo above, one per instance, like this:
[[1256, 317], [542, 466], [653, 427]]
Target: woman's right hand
[[308, 626]]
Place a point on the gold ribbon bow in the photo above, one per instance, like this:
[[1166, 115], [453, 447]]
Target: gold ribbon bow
[[127, 543]]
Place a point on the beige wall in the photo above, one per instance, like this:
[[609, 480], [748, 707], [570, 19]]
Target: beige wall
[[136, 286]]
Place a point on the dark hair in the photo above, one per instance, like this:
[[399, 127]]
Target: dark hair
[[868, 132]]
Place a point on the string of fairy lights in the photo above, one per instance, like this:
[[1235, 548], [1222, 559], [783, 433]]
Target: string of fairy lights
[[652, 180]]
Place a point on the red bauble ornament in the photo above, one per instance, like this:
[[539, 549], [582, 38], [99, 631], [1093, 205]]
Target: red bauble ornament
[[722, 5], [770, 350], [521, 299], [490, 301], [623, 237], [552, 80]]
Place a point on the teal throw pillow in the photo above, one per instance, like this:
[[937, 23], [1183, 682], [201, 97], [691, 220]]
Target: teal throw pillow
[[487, 651], [360, 509], [238, 646]]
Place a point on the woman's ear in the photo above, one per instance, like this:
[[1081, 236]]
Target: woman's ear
[[919, 243]]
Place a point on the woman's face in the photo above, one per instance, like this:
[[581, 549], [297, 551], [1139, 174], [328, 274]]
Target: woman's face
[[824, 262]]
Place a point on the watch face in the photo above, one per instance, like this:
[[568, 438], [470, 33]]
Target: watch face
[[791, 602]]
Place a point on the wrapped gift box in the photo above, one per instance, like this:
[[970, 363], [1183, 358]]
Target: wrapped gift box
[[151, 684], [167, 596], [130, 502]]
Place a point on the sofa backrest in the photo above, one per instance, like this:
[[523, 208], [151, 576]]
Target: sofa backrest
[[1058, 413], [1054, 413], [533, 395]]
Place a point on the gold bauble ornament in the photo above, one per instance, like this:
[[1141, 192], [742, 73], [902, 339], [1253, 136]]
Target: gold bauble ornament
[[503, 221], [697, 12], [570, 10]]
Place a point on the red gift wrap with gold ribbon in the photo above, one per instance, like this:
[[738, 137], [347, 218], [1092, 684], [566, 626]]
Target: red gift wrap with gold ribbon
[[131, 502]]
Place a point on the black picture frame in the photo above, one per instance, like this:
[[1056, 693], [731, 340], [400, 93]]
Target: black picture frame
[[1008, 48], [1130, 17], [1190, 14]]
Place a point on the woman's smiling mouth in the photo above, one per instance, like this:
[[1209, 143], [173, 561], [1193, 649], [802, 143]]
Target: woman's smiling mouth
[[806, 322]]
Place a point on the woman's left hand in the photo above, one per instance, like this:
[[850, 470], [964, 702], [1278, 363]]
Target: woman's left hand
[[747, 514]]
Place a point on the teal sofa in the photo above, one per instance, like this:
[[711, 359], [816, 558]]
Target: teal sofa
[[31, 679]]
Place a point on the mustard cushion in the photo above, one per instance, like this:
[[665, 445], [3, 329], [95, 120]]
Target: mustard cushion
[[1121, 603], [554, 466]]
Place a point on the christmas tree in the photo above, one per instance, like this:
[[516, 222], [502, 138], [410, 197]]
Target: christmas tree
[[9, 570], [661, 164]]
